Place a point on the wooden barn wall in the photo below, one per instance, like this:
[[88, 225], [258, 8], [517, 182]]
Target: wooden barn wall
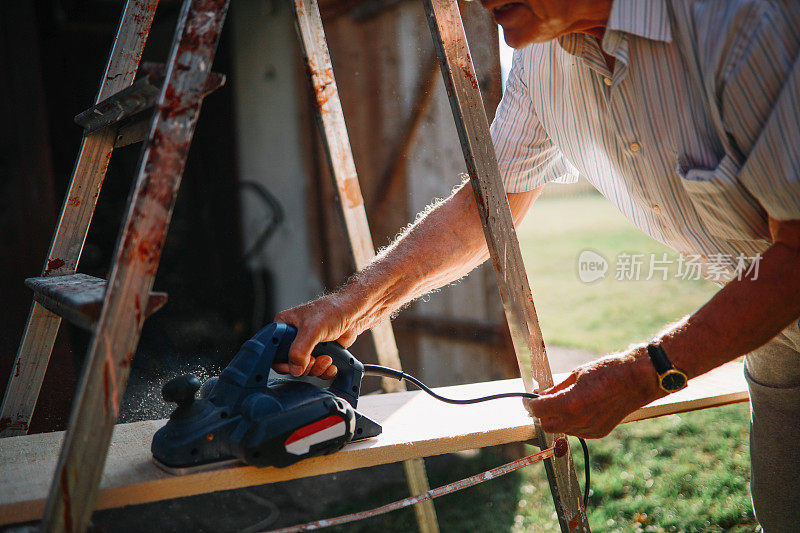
[[457, 335]]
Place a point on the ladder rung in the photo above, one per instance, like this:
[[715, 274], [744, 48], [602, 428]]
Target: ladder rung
[[132, 131], [133, 100], [129, 101], [79, 297]]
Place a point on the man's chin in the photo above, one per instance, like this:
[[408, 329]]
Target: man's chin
[[517, 38], [520, 37]]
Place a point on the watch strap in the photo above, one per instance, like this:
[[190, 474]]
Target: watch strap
[[659, 358]]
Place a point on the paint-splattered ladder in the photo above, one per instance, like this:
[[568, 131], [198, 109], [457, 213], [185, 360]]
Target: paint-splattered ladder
[[160, 108]]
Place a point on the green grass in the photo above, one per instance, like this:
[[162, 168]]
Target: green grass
[[606, 315], [686, 472]]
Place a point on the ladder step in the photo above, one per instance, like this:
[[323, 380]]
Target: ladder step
[[131, 101], [79, 297]]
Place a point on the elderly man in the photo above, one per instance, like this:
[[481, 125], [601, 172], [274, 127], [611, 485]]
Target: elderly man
[[685, 115]]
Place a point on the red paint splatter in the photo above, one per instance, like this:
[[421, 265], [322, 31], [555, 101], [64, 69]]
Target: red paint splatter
[[110, 386], [74, 201], [138, 307], [53, 264], [468, 73], [177, 103], [16, 372], [573, 523], [352, 193], [144, 17], [67, 501], [200, 32], [324, 85], [127, 361]]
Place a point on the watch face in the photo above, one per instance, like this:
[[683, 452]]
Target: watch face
[[673, 381]]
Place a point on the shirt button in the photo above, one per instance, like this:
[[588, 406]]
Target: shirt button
[[657, 209], [634, 146], [607, 81]]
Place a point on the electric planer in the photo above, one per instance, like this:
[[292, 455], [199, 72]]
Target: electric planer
[[242, 416]]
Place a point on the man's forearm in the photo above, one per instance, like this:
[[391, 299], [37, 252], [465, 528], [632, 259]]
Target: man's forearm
[[742, 316], [444, 244]]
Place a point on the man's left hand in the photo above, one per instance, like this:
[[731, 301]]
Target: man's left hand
[[598, 395]]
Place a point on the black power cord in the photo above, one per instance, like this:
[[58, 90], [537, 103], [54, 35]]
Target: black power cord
[[378, 370]]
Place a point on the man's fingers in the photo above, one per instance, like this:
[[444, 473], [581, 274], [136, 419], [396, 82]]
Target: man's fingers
[[321, 364], [554, 405], [553, 424], [282, 368], [300, 353], [570, 381]]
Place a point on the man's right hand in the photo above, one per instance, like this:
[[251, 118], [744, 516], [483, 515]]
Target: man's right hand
[[318, 321]]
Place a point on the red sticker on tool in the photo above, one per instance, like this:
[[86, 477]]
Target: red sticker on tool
[[301, 441]]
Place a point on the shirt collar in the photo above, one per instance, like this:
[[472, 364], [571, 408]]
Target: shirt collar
[[644, 18]]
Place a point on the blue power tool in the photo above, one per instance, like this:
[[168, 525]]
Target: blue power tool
[[241, 416]]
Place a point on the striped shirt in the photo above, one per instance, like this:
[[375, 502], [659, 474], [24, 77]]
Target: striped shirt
[[645, 134]]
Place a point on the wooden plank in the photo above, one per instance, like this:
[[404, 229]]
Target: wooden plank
[[414, 425], [79, 297], [330, 119], [134, 265], [473, 130], [42, 326]]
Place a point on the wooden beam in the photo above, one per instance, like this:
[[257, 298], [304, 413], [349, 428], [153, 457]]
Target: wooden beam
[[414, 425], [471, 123], [330, 119]]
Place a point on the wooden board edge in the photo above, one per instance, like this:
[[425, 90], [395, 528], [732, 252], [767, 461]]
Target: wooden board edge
[[654, 411], [236, 477]]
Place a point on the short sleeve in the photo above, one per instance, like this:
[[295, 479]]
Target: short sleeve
[[761, 109], [525, 153]]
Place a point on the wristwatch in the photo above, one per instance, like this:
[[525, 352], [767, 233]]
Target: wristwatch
[[670, 379]]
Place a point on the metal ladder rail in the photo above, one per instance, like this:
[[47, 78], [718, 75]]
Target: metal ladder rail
[[138, 251], [94, 154], [330, 119], [469, 114]]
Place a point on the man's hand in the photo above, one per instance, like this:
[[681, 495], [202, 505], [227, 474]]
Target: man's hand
[[318, 321], [598, 395]]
